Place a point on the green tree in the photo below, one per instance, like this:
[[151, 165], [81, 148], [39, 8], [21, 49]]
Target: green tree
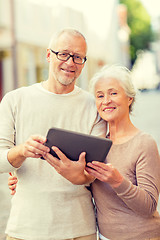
[[140, 24]]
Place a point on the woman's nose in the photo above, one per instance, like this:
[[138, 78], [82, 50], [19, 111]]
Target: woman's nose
[[106, 100]]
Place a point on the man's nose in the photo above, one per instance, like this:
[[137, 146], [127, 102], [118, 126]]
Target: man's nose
[[70, 60]]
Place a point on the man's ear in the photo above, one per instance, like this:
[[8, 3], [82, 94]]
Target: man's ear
[[48, 55]]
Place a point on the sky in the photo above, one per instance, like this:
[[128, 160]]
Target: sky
[[152, 6], [95, 11]]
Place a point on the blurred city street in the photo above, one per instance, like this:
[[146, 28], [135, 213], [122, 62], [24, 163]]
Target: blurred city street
[[119, 34], [146, 116]]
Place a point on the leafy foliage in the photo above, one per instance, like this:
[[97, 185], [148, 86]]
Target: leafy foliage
[[140, 24]]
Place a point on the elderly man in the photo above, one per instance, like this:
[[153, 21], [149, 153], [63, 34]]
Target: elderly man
[[46, 206]]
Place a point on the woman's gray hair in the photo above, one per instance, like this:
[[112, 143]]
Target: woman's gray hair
[[120, 73]]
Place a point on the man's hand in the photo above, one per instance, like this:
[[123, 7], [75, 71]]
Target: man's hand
[[12, 183], [33, 147], [74, 171]]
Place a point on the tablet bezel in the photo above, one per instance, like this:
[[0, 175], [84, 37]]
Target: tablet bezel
[[72, 143]]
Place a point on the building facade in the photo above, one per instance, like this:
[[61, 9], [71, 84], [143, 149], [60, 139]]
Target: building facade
[[26, 27]]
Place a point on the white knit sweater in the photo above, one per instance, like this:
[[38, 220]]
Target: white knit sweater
[[46, 206]]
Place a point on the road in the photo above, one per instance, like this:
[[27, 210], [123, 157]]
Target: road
[[146, 116]]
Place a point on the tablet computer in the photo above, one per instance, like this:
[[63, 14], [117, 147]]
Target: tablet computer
[[73, 143]]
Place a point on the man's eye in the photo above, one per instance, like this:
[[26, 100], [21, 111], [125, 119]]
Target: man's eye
[[63, 54], [113, 93], [77, 57]]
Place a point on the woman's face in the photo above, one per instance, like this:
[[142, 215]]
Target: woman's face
[[111, 100]]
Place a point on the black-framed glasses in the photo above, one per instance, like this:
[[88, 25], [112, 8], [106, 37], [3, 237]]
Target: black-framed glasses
[[64, 56]]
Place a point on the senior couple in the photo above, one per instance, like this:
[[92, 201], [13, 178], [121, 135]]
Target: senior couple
[[51, 200]]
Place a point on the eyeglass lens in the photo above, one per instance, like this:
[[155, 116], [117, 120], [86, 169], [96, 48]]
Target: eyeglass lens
[[65, 56]]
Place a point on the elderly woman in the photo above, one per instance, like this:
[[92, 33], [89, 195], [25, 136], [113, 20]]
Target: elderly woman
[[126, 186]]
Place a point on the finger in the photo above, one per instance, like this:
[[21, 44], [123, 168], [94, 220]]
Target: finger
[[96, 170], [12, 187], [39, 138], [99, 165], [61, 155], [32, 154], [11, 182], [36, 151], [38, 148], [95, 174], [13, 192], [53, 161], [12, 178], [35, 144], [103, 174], [94, 166], [82, 158], [91, 171]]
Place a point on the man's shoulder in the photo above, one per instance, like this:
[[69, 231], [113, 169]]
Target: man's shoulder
[[18, 94], [21, 90]]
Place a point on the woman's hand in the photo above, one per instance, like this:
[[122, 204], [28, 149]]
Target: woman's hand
[[105, 173], [74, 171], [12, 183]]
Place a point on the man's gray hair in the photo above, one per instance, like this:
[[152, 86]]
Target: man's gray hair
[[120, 73], [70, 31]]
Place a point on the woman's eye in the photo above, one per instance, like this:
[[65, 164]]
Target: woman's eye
[[113, 93], [100, 96]]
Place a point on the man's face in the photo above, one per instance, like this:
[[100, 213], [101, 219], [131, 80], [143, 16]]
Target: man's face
[[66, 72]]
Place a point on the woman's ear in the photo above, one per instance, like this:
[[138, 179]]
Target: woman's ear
[[130, 100], [48, 55]]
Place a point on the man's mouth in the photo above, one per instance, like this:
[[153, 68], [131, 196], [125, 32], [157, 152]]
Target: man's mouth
[[67, 70]]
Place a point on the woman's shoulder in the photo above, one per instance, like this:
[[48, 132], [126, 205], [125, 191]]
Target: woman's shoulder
[[146, 142], [145, 137]]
